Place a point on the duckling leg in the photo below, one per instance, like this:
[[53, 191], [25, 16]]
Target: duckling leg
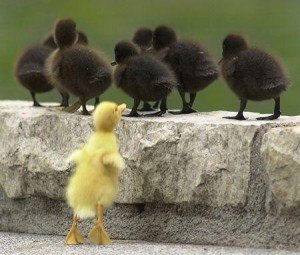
[[240, 115], [277, 111], [163, 109], [35, 102], [192, 99], [74, 236], [146, 108], [73, 108], [155, 106], [97, 101], [84, 110], [65, 99], [134, 112], [186, 108], [98, 234]]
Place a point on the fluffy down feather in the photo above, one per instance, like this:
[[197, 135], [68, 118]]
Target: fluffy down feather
[[98, 164]]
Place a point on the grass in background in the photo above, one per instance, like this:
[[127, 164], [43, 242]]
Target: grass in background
[[272, 25]]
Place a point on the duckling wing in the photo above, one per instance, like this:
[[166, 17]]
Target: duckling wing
[[99, 76], [162, 54], [205, 65], [114, 160], [167, 82], [229, 67], [207, 68], [30, 68], [260, 68]]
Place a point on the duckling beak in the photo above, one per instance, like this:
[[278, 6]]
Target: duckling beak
[[113, 63], [121, 108], [150, 48], [220, 62]]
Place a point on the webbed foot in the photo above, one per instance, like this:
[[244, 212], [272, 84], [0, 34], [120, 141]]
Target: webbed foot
[[132, 114], [146, 108], [237, 117], [155, 114], [37, 104], [74, 236], [98, 235], [271, 117], [185, 110], [64, 105]]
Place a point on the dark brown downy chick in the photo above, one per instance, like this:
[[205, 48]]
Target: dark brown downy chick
[[76, 68], [82, 39], [29, 69], [252, 74], [143, 39], [49, 41], [195, 69], [142, 77]]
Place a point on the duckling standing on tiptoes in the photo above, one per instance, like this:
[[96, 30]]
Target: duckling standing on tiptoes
[[143, 38], [252, 74], [195, 69], [30, 69], [142, 77], [75, 68], [94, 184]]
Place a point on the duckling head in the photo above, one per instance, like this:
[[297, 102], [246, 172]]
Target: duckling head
[[49, 42], [163, 36], [123, 51], [143, 37], [82, 38], [233, 44], [65, 33], [107, 115]]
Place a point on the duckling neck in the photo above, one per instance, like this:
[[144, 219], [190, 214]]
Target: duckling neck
[[63, 47]]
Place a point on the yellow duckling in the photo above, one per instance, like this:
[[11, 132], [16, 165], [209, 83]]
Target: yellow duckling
[[94, 184]]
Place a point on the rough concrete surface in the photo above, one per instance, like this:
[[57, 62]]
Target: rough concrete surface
[[196, 178], [25, 244], [281, 153]]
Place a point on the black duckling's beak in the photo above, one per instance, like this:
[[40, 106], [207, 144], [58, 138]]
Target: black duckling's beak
[[113, 63], [150, 48]]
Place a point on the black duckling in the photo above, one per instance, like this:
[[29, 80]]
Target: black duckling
[[50, 42], [77, 68], [82, 39], [142, 77], [143, 38], [195, 69], [29, 70], [252, 74]]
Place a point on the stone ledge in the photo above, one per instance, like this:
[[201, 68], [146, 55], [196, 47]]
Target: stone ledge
[[221, 173], [198, 158], [281, 154]]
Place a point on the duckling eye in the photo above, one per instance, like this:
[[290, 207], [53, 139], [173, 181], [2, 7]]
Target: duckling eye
[[116, 109]]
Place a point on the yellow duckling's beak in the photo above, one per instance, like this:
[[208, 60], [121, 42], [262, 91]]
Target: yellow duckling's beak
[[121, 108]]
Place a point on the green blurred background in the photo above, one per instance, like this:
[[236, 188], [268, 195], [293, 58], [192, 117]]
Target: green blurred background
[[271, 24]]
